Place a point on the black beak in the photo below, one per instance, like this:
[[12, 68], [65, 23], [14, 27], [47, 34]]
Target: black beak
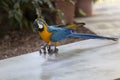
[[35, 25]]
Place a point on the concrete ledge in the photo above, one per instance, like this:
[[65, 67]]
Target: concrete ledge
[[84, 60]]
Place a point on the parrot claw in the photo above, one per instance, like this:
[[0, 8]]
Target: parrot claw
[[43, 50], [52, 50], [56, 51], [48, 50]]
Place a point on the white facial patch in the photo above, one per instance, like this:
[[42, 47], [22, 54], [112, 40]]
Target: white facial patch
[[40, 26]]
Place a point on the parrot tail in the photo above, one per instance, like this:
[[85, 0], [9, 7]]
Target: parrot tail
[[91, 36]]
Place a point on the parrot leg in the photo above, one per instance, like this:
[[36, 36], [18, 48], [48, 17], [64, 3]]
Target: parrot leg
[[50, 50], [43, 49], [56, 50]]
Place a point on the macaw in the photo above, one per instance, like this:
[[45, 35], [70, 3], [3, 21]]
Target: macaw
[[56, 33]]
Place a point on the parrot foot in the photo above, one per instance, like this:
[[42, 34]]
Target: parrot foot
[[56, 50], [50, 50], [43, 50]]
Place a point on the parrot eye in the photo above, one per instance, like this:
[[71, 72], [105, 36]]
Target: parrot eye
[[40, 26]]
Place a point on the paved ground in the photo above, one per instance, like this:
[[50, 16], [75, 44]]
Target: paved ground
[[105, 20], [84, 60], [77, 61]]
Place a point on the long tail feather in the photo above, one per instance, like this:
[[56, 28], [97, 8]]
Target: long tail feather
[[91, 36]]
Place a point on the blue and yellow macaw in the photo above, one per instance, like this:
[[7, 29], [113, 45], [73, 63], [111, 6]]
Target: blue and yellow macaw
[[55, 33]]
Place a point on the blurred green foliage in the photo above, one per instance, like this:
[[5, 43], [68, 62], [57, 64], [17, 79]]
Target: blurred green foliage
[[21, 13], [13, 12]]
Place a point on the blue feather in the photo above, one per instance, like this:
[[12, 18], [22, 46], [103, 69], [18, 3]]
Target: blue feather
[[86, 36], [62, 33], [59, 33]]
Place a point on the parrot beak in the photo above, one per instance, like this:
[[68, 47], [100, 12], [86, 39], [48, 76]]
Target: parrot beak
[[35, 25]]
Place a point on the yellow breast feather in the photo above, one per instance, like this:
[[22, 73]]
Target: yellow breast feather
[[45, 35]]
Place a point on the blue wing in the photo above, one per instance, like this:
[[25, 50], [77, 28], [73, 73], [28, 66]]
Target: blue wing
[[62, 33], [59, 33]]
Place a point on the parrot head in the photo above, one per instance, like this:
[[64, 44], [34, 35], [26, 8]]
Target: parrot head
[[39, 24]]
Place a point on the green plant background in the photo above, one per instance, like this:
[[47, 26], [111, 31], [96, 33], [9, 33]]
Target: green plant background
[[20, 14]]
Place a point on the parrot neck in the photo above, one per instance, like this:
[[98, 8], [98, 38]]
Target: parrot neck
[[45, 34], [45, 27]]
